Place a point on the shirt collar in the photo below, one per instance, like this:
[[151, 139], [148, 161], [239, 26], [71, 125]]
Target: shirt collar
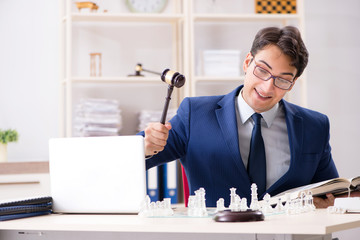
[[246, 111]]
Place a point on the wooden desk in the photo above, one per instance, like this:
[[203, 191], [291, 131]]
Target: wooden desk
[[315, 225]]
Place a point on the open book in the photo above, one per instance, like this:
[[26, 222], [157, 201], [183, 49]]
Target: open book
[[335, 186]]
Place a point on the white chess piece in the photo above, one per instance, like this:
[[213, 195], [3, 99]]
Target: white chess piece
[[202, 204], [167, 207], [232, 198], [243, 205], [145, 207], [197, 206], [310, 201], [191, 205], [279, 206], [266, 208], [220, 205], [254, 205]]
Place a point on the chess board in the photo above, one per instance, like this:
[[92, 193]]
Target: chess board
[[275, 6]]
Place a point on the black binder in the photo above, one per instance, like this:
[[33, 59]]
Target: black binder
[[25, 208]]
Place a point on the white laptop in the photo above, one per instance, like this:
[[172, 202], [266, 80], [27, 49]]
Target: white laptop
[[97, 174]]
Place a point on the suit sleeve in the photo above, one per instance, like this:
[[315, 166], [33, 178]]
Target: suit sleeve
[[178, 137], [326, 168]]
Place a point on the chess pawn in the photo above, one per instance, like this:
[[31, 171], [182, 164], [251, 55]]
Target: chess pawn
[[243, 205], [279, 206], [310, 201], [167, 207], [266, 208], [220, 206], [152, 209], [191, 205], [287, 203]]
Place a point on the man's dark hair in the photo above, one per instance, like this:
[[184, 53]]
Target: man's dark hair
[[288, 39]]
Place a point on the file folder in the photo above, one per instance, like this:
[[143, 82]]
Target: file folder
[[152, 186], [170, 177]]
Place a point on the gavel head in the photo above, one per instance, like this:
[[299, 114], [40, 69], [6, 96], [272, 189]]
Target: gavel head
[[173, 78]]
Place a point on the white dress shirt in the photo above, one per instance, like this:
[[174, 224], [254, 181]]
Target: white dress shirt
[[275, 136]]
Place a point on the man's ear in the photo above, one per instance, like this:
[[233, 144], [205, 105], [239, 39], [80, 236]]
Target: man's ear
[[247, 62]]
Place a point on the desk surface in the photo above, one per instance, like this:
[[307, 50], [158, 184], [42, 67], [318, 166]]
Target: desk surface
[[318, 222]]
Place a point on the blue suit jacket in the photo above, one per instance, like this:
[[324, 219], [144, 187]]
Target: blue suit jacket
[[204, 136]]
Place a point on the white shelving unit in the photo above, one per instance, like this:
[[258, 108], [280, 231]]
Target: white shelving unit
[[70, 17], [191, 28]]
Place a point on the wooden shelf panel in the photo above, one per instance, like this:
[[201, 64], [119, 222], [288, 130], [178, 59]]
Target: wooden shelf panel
[[125, 17], [105, 80], [24, 167]]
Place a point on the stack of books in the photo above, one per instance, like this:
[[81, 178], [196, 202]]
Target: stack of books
[[97, 117], [25, 208]]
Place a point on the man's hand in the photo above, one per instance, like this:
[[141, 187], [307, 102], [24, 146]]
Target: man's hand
[[156, 135], [330, 199], [324, 203]]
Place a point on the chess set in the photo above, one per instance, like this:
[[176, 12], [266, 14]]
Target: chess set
[[275, 6], [237, 211]]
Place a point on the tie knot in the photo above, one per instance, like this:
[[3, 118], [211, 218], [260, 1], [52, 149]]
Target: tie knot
[[257, 118]]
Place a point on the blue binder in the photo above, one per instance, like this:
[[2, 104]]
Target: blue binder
[[152, 185], [170, 177]]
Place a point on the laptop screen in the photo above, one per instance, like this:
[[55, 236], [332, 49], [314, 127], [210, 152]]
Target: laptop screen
[[97, 174]]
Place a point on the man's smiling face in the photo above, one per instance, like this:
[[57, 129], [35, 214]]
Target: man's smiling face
[[263, 95]]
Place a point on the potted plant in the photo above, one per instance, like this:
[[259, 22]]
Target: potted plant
[[6, 136]]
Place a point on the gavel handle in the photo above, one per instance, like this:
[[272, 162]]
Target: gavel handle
[[166, 106]]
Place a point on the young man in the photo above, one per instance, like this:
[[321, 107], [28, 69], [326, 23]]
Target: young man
[[213, 136]]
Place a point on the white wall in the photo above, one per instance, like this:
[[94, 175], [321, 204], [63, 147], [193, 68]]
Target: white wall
[[29, 74], [333, 40]]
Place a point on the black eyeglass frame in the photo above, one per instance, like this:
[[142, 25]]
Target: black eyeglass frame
[[271, 76]]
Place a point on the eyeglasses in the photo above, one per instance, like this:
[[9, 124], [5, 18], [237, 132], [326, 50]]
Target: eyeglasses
[[265, 75]]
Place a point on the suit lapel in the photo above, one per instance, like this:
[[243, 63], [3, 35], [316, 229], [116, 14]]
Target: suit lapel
[[294, 125], [226, 116]]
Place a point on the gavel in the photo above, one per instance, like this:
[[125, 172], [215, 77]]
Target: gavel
[[173, 79]]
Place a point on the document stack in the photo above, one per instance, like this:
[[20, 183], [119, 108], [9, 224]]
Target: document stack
[[224, 63], [148, 116], [97, 117], [161, 181]]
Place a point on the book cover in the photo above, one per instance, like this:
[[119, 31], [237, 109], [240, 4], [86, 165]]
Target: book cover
[[25, 209], [22, 215], [28, 201]]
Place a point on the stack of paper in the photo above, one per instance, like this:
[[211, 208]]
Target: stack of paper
[[147, 116], [97, 117], [224, 63]]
